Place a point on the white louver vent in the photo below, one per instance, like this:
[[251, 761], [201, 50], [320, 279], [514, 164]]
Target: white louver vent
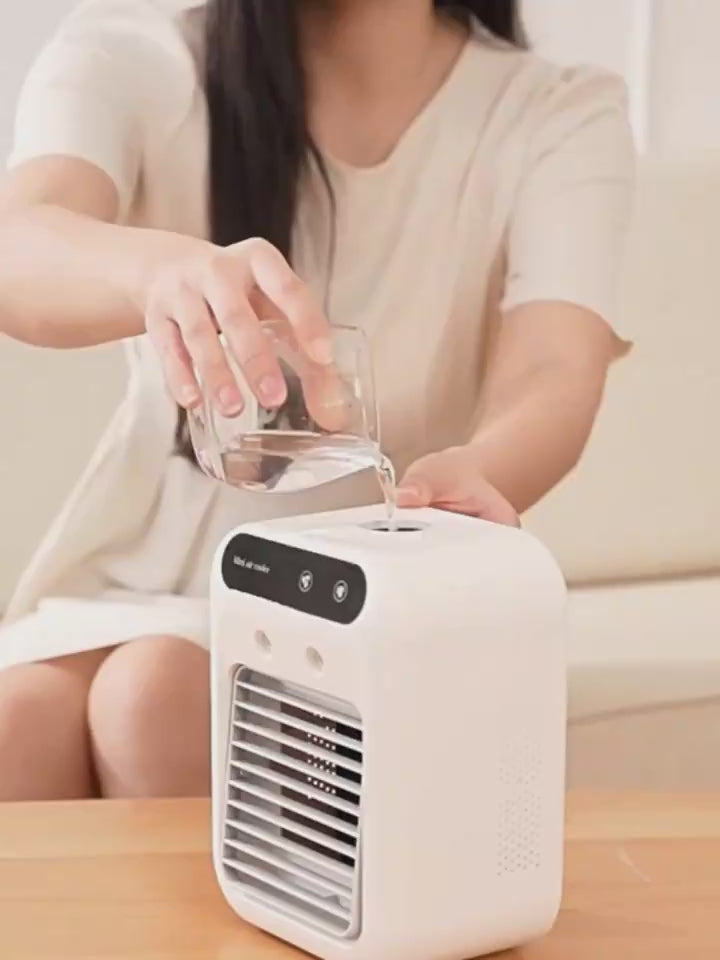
[[292, 827]]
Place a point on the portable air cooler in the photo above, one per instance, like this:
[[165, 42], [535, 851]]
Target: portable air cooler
[[389, 734]]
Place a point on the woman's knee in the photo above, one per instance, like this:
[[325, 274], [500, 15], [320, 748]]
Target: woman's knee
[[43, 728], [149, 718]]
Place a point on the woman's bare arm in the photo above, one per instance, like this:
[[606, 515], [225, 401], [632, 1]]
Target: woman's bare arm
[[541, 397], [69, 276]]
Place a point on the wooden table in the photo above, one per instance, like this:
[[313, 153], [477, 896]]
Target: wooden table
[[133, 881]]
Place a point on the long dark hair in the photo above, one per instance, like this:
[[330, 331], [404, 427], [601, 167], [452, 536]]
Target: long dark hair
[[259, 137]]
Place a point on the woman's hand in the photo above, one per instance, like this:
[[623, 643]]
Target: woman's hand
[[453, 480], [230, 291]]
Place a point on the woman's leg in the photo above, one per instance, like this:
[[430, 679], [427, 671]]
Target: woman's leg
[[149, 717], [44, 748]]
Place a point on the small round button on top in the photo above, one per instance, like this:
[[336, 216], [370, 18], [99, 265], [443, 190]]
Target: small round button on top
[[305, 581]]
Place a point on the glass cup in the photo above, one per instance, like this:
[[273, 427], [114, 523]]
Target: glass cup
[[326, 428]]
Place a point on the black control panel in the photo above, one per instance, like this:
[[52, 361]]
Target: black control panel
[[309, 582]]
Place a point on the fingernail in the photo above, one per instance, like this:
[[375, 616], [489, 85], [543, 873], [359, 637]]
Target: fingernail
[[321, 351], [272, 389], [230, 400], [337, 394], [189, 395], [414, 496]]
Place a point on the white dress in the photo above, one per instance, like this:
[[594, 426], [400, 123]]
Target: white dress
[[514, 184]]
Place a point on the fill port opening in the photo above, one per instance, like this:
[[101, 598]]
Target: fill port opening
[[383, 526]]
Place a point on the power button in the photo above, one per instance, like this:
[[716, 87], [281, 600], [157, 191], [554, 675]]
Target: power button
[[340, 591]]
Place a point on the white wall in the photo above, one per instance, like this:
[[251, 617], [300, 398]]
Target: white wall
[[685, 111], [612, 33], [666, 49], [52, 405]]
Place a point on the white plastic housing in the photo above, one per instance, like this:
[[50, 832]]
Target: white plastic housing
[[455, 672]]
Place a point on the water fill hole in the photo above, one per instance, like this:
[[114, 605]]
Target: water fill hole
[[384, 526]]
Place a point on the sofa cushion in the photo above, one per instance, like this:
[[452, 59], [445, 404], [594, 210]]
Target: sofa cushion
[[634, 647], [645, 501]]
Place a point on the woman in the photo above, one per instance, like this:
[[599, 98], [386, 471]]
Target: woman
[[403, 165]]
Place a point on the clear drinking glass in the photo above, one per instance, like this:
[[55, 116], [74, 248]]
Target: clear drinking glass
[[326, 429]]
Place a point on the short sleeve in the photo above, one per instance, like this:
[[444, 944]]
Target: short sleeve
[[112, 77], [567, 231]]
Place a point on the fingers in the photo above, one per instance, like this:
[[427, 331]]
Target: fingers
[[451, 481], [489, 504], [190, 304], [426, 481], [177, 364], [331, 401], [414, 494], [500, 512], [251, 348], [276, 279], [199, 333]]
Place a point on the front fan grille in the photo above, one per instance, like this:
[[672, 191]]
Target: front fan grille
[[292, 827]]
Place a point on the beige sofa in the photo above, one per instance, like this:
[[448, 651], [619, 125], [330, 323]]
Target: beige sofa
[[637, 528]]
